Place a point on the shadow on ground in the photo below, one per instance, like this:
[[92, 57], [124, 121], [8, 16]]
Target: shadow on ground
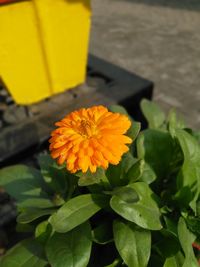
[[190, 5]]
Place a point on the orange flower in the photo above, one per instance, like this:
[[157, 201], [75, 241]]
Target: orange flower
[[90, 138]]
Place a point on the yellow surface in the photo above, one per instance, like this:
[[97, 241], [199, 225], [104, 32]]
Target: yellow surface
[[43, 47]]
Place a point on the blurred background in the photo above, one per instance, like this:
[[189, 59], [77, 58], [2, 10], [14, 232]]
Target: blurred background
[[157, 39]]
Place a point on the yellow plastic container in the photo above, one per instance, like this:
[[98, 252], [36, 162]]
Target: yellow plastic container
[[43, 47]]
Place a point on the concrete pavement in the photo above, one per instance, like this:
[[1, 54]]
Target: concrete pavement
[[157, 39]]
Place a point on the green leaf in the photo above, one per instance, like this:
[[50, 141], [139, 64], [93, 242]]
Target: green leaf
[[54, 175], [118, 109], [136, 171], [71, 249], [148, 174], [144, 212], [188, 180], [76, 211], [186, 239], [175, 261], [117, 174], [174, 122], [102, 234], [171, 226], [31, 214], [193, 224], [133, 243], [196, 134], [167, 244], [156, 148], [134, 130], [26, 185], [43, 232], [36, 202], [198, 208], [28, 253], [153, 114], [126, 193], [89, 178]]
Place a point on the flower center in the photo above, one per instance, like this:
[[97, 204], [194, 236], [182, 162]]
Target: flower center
[[87, 128]]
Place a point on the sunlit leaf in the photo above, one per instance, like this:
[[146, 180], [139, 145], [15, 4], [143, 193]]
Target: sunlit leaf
[[76, 211], [70, 249], [144, 212], [133, 243], [28, 253], [31, 214], [189, 176], [186, 239], [153, 114], [156, 148], [26, 185]]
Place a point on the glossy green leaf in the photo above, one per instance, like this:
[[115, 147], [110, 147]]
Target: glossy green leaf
[[118, 109], [28, 253], [89, 178], [193, 224], [31, 214], [71, 249], [175, 261], [126, 193], [117, 174], [135, 171], [174, 122], [35, 202], [43, 232], [171, 226], [189, 176], [196, 134], [167, 244], [144, 212], [148, 175], [54, 175], [153, 114], [134, 130], [26, 185], [133, 243], [156, 148], [76, 211], [186, 239]]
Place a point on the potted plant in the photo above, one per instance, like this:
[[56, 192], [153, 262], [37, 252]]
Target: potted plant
[[117, 196]]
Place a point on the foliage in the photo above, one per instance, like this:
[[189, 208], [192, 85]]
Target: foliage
[[143, 212]]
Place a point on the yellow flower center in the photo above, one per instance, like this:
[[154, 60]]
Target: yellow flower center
[[87, 128]]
